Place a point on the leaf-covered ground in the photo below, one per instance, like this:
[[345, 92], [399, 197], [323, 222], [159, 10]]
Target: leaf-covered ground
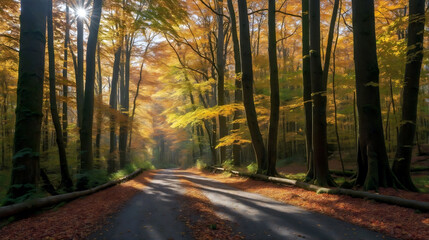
[[391, 220], [77, 219]]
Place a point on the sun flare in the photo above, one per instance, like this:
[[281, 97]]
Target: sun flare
[[81, 12]]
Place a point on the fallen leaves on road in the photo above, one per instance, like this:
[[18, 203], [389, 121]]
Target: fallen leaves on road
[[391, 220], [199, 215], [79, 218]]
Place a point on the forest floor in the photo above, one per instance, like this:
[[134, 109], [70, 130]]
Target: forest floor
[[190, 204], [79, 218], [391, 220]]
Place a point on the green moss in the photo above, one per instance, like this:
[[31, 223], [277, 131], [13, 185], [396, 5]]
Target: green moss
[[296, 176], [422, 183]]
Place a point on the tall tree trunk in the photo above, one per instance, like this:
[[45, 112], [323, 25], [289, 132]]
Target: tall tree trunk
[[334, 96], [65, 75], [373, 165], [238, 96], [25, 171], [125, 103], [318, 90], [133, 112], [220, 62], [274, 87], [113, 107], [402, 162], [88, 108], [45, 142], [137, 92], [247, 80], [3, 135], [306, 77], [99, 116], [79, 75], [329, 43], [66, 181]]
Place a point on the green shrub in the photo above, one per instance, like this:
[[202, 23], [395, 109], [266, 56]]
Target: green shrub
[[92, 178], [252, 168], [200, 164], [228, 164], [145, 165]]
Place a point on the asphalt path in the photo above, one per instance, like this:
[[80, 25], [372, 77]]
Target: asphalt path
[[154, 214]]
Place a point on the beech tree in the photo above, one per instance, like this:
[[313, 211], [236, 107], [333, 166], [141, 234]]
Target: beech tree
[[306, 77], [274, 88], [318, 92], [66, 181], [29, 114], [247, 81], [65, 75], [238, 95], [416, 23], [220, 64], [113, 103], [79, 8], [88, 109], [373, 165]]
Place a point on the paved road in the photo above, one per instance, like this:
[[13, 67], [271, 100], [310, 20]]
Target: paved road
[[153, 214]]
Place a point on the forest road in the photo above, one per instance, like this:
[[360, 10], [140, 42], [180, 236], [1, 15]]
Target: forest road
[[154, 214]]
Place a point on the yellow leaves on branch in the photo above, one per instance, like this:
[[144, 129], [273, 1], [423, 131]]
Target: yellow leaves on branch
[[234, 138], [202, 114]]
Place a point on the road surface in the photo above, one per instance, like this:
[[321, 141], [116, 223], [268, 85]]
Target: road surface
[[154, 214]]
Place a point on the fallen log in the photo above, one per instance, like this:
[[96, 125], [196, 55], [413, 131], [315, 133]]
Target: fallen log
[[347, 173], [419, 169], [419, 205], [33, 204]]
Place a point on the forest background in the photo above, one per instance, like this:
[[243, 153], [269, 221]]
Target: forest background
[[157, 86]]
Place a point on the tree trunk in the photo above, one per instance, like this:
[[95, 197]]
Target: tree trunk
[[65, 76], [135, 103], [373, 165], [3, 136], [402, 162], [99, 116], [79, 75], [274, 87], [318, 89], [125, 104], [66, 181], [88, 108], [113, 107], [25, 171], [247, 80], [306, 77], [334, 96], [329, 43], [238, 96], [220, 62]]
